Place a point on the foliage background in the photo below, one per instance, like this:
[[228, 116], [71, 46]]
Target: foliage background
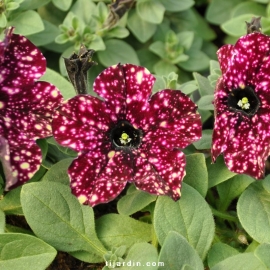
[[222, 220]]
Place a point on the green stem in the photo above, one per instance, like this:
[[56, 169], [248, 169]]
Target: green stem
[[223, 215]]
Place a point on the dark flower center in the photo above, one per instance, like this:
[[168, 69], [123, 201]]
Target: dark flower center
[[244, 100], [124, 135]]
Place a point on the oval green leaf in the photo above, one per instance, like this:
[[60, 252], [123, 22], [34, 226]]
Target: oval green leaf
[[117, 51], [253, 209], [24, 252], [57, 217], [176, 253], [190, 216]]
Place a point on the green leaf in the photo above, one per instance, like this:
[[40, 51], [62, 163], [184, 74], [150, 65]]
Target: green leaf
[[231, 189], [176, 253], [204, 86], [58, 172], [3, 20], [190, 216], [262, 253], [27, 23], [206, 103], [158, 47], [164, 68], [134, 202], [45, 37], [188, 87], [236, 26], [62, 4], [186, 39], [2, 221], [24, 252], [117, 51], [248, 7], [206, 140], [84, 10], [117, 32], [196, 173], [220, 252], [253, 209], [33, 4], [219, 11], [11, 203], [150, 11], [197, 60], [118, 230], [142, 254], [12, 6], [141, 29], [176, 5], [60, 82], [217, 172], [57, 217], [246, 261]]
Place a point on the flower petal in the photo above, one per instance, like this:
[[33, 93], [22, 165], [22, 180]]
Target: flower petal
[[225, 54], [139, 83], [97, 179], [160, 171], [22, 160], [22, 63], [81, 123], [31, 110], [248, 55], [110, 85], [174, 121]]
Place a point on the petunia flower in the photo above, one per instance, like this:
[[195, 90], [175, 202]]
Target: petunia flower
[[129, 136], [26, 108], [242, 105]]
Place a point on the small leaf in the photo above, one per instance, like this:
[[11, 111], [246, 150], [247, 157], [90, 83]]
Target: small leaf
[[142, 254], [33, 4], [11, 203], [219, 11], [117, 51], [176, 5], [220, 252], [163, 68], [232, 188], [247, 261], [134, 202], [24, 251], [176, 253], [58, 172], [27, 23], [190, 216], [119, 230], [217, 172], [206, 103], [150, 11], [141, 29], [253, 210], [196, 173], [205, 141], [262, 252], [62, 4], [235, 26], [203, 84], [57, 217]]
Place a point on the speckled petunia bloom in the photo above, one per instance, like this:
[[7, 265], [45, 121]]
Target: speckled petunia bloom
[[26, 108], [242, 105], [129, 136]]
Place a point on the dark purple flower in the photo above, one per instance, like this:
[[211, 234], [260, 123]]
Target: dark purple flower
[[126, 137], [26, 107], [242, 105]]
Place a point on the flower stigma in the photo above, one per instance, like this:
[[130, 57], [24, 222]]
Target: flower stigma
[[243, 103], [125, 138]]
